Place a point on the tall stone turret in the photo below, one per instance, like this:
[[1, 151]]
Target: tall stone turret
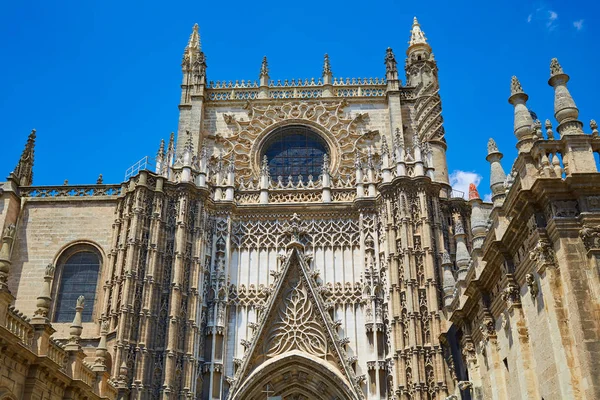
[[422, 73], [523, 124], [193, 88], [263, 91]]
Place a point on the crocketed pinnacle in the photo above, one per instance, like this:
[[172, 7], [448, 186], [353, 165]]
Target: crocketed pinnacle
[[515, 86], [473, 193], [264, 68], [555, 68], [194, 41], [24, 169], [326, 66], [161, 149], [492, 147], [417, 36]]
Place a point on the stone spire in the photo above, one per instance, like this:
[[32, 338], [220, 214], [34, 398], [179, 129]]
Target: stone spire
[[565, 110], [523, 122], [391, 66], [265, 180], [193, 57], [44, 300], [417, 36], [497, 174], [160, 158], [264, 72], [23, 172]]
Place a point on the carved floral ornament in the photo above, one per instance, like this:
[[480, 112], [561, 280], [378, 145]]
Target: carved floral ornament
[[343, 133]]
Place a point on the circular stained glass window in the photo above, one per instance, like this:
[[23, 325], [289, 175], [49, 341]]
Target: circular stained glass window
[[295, 151]]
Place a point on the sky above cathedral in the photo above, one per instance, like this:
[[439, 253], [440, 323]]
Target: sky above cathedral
[[100, 81]]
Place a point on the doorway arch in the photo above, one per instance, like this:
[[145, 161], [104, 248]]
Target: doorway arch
[[295, 376]]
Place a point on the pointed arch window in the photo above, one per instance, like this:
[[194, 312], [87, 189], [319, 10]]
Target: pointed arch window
[[78, 268]]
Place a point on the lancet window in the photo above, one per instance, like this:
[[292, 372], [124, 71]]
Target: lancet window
[[78, 270], [295, 151]]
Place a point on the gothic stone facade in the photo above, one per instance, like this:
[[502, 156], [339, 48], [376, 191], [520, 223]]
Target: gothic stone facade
[[365, 278]]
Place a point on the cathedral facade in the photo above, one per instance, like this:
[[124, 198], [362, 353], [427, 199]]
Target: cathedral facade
[[301, 240]]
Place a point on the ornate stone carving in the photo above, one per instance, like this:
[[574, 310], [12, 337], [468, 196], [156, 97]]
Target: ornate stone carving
[[532, 285], [590, 235], [543, 254], [346, 136], [512, 295]]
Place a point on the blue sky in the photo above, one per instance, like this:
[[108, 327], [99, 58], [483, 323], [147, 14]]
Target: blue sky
[[100, 80]]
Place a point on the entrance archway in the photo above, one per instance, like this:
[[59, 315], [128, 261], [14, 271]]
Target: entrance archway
[[295, 376]]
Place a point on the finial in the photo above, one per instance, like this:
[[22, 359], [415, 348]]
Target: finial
[[357, 161], [555, 68], [326, 65], [265, 166], [417, 36], [325, 163], [194, 41], [384, 146], [515, 86], [492, 147], [100, 180], [66, 182], [594, 127], [390, 61], [549, 132], [264, 68], [473, 193], [24, 169], [537, 126], [231, 166]]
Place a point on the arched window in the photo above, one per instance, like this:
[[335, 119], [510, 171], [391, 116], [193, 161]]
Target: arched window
[[78, 270], [293, 151]]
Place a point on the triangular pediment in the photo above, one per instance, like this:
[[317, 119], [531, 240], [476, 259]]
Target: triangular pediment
[[295, 319]]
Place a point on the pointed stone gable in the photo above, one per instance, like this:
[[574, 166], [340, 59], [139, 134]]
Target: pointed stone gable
[[295, 318]]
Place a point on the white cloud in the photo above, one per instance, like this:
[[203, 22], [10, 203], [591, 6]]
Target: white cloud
[[578, 24], [551, 22], [487, 198], [460, 180], [529, 18]]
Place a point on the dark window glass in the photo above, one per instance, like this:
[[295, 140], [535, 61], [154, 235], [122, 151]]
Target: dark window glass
[[295, 150], [78, 278]]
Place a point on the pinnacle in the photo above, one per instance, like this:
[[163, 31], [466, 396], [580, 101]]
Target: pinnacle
[[194, 41], [492, 147], [515, 86], [417, 36], [264, 68], [555, 68], [473, 193], [326, 65]]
